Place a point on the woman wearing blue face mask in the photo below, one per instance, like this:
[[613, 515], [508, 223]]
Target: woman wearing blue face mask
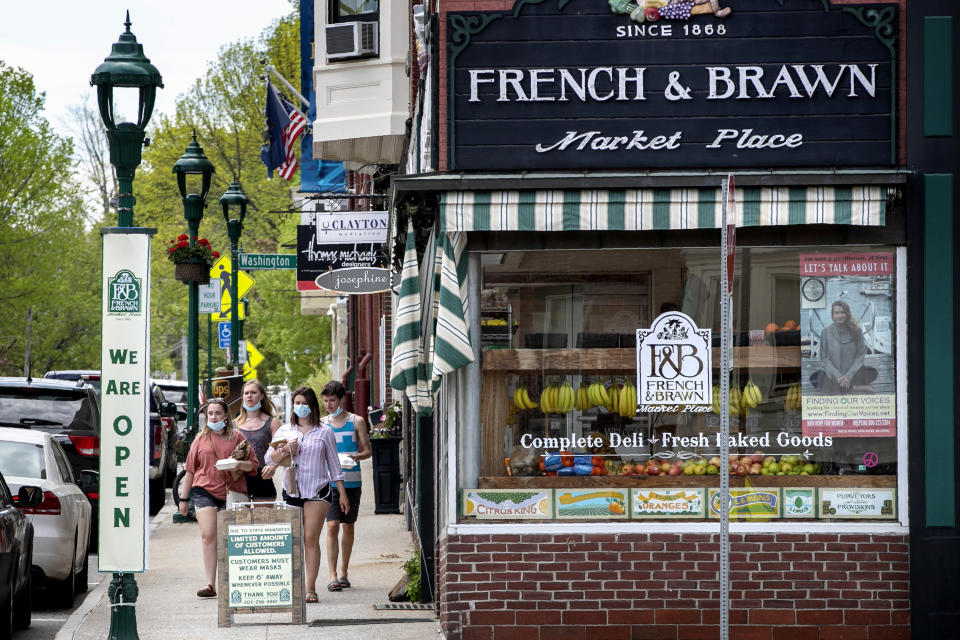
[[207, 485], [313, 449], [257, 424]]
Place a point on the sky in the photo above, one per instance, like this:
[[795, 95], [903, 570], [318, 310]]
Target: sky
[[61, 42]]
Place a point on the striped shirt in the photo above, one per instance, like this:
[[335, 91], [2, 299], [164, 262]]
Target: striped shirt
[[346, 436], [316, 459]]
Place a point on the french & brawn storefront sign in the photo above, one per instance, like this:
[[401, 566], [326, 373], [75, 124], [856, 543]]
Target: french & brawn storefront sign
[[587, 84]]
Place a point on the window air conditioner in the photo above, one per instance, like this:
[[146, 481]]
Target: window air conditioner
[[351, 40]]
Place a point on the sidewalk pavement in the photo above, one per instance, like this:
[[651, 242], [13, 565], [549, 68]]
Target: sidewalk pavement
[[168, 608]]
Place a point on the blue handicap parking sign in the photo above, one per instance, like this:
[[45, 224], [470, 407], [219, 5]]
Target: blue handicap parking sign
[[223, 331]]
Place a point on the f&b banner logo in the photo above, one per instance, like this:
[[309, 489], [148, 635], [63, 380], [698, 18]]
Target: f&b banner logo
[[674, 365], [125, 293]]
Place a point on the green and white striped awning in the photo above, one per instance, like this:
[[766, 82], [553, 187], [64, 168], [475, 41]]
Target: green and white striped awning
[[423, 355], [657, 209]]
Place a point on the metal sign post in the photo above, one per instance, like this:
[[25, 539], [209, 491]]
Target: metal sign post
[[727, 248]]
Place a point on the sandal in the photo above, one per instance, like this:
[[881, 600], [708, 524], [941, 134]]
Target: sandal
[[334, 585], [343, 582], [207, 592], [311, 597]]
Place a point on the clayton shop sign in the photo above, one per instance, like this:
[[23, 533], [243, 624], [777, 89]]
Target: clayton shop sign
[[594, 84], [344, 252]]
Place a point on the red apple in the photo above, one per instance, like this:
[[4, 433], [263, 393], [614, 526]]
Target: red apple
[[651, 14], [742, 469], [757, 456], [675, 471], [653, 471]]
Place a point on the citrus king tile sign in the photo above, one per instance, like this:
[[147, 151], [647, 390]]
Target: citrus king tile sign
[[507, 504]]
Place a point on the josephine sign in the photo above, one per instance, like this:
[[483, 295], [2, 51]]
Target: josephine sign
[[598, 90]]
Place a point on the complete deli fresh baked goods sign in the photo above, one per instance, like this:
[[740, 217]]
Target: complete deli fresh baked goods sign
[[586, 84]]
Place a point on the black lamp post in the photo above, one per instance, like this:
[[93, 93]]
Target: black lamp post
[[126, 68], [234, 197], [193, 180]]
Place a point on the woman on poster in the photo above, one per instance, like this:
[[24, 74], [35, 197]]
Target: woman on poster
[[842, 354]]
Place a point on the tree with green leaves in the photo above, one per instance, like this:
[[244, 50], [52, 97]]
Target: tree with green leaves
[[48, 259], [226, 109]]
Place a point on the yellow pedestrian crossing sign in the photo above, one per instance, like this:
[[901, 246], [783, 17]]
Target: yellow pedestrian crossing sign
[[254, 357], [225, 316], [222, 270], [249, 373]]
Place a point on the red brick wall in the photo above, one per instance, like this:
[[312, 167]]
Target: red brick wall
[[803, 586]]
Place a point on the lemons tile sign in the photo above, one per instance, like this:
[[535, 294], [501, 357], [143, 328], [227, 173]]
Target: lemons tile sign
[[748, 504], [507, 504], [609, 504]]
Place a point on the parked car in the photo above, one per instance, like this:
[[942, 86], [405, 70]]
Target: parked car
[[16, 558], [61, 522], [90, 376], [175, 391], [68, 411], [162, 452]]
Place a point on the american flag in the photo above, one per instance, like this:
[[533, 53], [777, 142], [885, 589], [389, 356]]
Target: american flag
[[285, 124]]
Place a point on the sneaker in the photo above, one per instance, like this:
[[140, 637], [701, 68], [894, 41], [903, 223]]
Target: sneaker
[[207, 592]]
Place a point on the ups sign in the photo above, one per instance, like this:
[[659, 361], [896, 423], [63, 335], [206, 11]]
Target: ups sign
[[229, 389]]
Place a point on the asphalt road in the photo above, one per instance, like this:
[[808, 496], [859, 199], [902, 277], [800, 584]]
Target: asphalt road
[[46, 620]]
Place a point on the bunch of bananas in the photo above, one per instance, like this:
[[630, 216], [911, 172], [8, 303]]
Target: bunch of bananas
[[583, 397], [628, 399], [521, 399], [558, 398], [794, 398], [740, 399], [598, 395], [751, 394]]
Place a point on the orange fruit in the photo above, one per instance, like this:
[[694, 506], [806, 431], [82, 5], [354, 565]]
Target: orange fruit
[[770, 328]]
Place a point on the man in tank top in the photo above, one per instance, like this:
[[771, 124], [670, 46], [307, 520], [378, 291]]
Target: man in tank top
[[353, 443]]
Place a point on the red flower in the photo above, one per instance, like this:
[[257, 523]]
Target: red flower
[[171, 249], [183, 236], [194, 238], [215, 254], [203, 242]]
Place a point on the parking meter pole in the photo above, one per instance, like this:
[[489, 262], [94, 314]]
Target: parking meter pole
[[234, 228], [209, 385], [123, 592]]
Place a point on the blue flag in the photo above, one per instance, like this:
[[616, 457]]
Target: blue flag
[[284, 125]]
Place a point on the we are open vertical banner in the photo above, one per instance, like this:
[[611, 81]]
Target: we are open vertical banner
[[125, 366]]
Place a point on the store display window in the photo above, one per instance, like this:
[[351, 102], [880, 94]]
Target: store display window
[[569, 430]]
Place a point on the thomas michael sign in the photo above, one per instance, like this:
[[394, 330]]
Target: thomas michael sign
[[590, 84], [125, 365]]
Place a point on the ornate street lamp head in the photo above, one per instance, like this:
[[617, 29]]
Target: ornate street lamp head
[[234, 196], [193, 163], [126, 67]]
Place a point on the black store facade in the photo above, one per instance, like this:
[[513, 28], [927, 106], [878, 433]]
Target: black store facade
[[571, 195]]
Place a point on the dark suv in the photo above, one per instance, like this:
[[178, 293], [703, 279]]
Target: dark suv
[[69, 411], [161, 434]]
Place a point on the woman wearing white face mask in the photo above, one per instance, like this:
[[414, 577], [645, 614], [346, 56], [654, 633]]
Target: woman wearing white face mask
[[257, 424], [207, 485], [313, 449]]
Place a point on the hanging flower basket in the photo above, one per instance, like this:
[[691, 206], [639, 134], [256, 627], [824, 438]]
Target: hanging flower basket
[[198, 272], [192, 262]]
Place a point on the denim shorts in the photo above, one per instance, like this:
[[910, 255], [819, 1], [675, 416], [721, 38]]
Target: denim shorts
[[203, 498]]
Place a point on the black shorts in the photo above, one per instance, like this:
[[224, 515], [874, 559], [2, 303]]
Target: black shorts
[[323, 495], [335, 514], [203, 498], [260, 489]]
